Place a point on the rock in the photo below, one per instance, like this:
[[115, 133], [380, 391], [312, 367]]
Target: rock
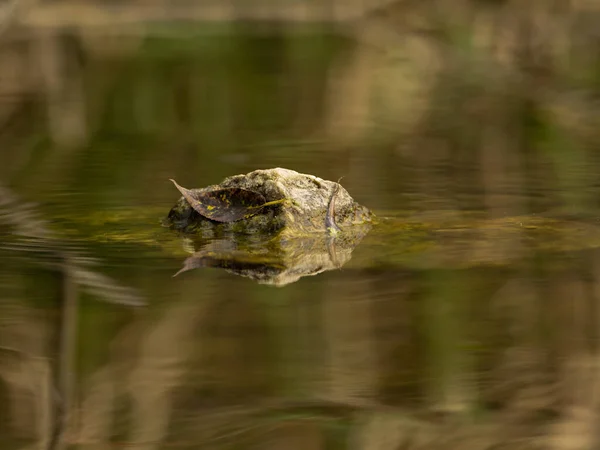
[[304, 213]]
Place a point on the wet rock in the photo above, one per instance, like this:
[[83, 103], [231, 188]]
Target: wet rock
[[303, 212]]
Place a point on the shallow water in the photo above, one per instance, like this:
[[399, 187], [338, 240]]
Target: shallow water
[[452, 324]]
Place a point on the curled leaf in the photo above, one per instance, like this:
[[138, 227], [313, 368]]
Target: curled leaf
[[226, 204]]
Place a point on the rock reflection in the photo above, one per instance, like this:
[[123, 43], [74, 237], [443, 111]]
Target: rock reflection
[[278, 260]]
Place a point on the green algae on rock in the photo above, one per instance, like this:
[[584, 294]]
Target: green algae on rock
[[294, 204]]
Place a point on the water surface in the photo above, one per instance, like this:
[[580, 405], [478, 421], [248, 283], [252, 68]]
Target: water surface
[[463, 319]]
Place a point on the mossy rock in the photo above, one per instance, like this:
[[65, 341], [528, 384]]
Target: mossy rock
[[303, 212]]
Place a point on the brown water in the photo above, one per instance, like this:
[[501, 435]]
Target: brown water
[[463, 320]]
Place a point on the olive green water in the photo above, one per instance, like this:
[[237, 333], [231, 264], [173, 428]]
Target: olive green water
[[448, 327]]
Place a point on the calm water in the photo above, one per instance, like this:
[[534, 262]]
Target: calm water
[[463, 320]]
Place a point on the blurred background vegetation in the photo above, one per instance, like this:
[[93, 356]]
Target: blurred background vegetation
[[432, 110], [469, 102]]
